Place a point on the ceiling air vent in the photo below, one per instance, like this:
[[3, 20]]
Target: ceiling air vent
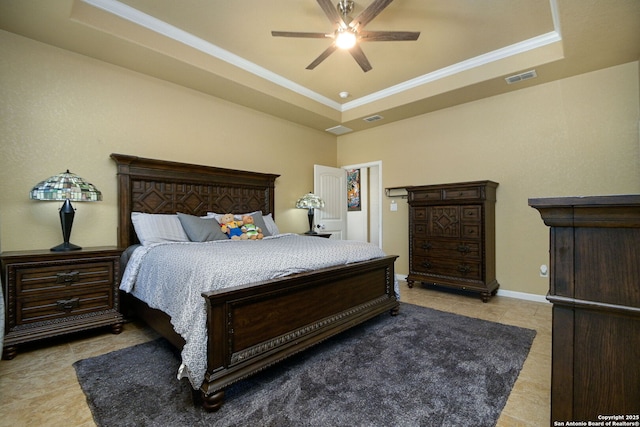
[[339, 130], [522, 76], [373, 118]]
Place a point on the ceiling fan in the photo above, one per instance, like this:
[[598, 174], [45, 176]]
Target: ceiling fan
[[349, 32]]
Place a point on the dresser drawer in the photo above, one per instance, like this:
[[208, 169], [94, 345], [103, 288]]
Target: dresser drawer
[[465, 231], [426, 195], [471, 213], [420, 230], [462, 193], [447, 267], [38, 279], [446, 249], [471, 227], [419, 214], [471, 231], [56, 306]]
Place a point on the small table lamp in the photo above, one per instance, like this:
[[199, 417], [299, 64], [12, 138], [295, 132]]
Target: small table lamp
[[310, 201], [66, 186]]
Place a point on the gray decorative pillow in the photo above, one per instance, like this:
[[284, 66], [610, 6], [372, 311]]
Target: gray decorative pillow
[[201, 229]]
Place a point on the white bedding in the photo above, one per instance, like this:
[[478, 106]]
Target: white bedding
[[172, 276]]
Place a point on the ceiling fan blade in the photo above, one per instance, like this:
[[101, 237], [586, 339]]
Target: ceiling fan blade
[[299, 34], [360, 58], [384, 36], [369, 13], [322, 57], [332, 13]]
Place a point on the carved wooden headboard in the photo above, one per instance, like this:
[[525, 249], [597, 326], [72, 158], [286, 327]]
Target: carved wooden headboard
[[164, 187]]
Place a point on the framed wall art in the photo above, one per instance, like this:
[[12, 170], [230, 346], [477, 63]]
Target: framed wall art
[[353, 190]]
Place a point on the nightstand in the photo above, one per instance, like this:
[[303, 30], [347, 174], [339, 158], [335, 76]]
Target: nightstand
[[54, 293], [325, 235]]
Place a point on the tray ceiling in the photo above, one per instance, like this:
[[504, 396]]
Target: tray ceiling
[[465, 51]]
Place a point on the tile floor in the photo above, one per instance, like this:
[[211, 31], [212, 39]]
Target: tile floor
[[39, 387]]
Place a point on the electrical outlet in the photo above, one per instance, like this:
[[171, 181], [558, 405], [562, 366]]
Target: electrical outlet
[[544, 270], [394, 206]]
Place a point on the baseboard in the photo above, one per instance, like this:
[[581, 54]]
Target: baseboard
[[522, 295], [502, 293]]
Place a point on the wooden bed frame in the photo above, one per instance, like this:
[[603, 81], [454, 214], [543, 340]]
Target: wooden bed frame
[[254, 326]]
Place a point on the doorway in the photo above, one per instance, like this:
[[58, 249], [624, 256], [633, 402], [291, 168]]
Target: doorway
[[364, 223]]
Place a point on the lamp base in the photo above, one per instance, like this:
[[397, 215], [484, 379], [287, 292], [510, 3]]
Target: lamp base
[[66, 246], [310, 232]]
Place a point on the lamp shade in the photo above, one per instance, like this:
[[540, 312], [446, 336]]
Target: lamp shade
[[65, 186], [309, 201]]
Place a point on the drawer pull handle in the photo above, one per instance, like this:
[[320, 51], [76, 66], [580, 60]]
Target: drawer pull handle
[[426, 265], [464, 269], [427, 246], [464, 249], [68, 304], [72, 276]]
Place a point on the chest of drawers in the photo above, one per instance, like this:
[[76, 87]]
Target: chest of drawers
[[54, 293], [452, 236], [594, 286]]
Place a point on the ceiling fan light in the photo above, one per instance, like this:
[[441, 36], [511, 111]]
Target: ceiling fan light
[[345, 39]]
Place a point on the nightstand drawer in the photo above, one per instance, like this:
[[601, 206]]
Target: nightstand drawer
[[61, 277], [66, 304]]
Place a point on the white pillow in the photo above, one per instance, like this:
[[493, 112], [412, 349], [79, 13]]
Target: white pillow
[[158, 228]]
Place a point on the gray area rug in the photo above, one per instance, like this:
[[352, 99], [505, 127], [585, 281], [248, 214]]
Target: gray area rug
[[421, 368]]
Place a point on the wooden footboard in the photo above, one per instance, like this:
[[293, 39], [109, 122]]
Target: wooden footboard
[[253, 327]]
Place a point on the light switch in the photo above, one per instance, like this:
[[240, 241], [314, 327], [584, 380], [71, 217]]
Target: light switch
[[394, 206]]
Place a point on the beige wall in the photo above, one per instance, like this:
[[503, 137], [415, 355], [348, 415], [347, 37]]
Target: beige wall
[[60, 110], [578, 136]]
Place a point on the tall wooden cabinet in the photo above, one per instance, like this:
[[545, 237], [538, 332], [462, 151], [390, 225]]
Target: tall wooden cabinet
[[595, 290], [452, 236]]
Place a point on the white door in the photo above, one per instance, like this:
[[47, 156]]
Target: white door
[[330, 184]]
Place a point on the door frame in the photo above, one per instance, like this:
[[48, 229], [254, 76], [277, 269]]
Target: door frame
[[373, 187]]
